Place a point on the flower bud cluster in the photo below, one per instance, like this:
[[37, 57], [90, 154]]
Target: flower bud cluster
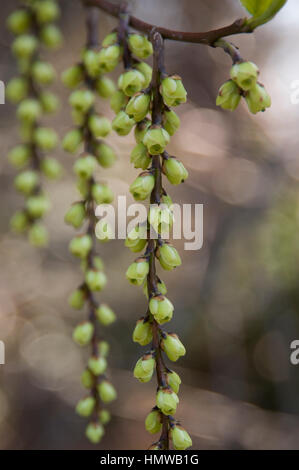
[[88, 81], [133, 104], [243, 82], [34, 28]]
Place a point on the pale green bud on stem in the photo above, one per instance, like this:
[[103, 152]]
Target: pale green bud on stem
[[173, 91], [167, 400], [173, 347], [161, 308], [143, 333], [153, 421], [137, 271], [83, 333], [145, 368]]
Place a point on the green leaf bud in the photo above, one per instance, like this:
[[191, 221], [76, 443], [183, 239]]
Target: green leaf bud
[[110, 39], [146, 71], [49, 102], [85, 166], [142, 187], [51, 36], [26, 181], [173, 347], [105, 154], [174, 381], [16, 89], [156, 140], [140, 46], [29, 110], [173, 91], [171, 122], [229, 96], [140, 157], [43, 73], [104, 231], [137, 238], [145, 368], [38, 235], [19, 21], [46, 11], [19, 222], [51, 168], [109, 58], [160, 217], [142, 333], [174, 170], [104, 416], [122, 123], [73, 76], [97, 365], [101, 193], [82, 100], [91, 63], [37, 206], [153, 421], [85, 406], [19, 155], [138, 106], [95, 280], [106, 391], [180, 438], [94, 432], [244, 74], [77, 299], [105, 315], [99, 126], [137, 271], [103, 348], [24, 46], [167, 401], [131, 82], [141, 129], [87, 379], [45, 138], [105, 87], [72, 140], [161, 308], [258, 99], [83, 333], [75, 215], [118, 101], [168, 256], [80, 246]]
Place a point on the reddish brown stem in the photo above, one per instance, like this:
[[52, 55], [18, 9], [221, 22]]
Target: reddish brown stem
[[157, 110], [239, 26]]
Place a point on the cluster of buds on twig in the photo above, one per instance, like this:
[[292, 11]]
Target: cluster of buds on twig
[[243, 82], [34, 28], [89, 132], [143, 102]]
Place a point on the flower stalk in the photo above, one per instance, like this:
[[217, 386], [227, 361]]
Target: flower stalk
[[34, 28], [91, 126]]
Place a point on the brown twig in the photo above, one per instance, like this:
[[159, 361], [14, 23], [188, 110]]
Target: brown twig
[[157, 110], [239, 26]]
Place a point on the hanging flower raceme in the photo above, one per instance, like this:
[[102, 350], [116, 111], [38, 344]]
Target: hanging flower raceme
[[91, 128], [144, 103], [243, 82], [34, 29]]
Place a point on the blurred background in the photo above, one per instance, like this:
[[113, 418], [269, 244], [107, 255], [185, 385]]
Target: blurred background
[[236, 300]]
